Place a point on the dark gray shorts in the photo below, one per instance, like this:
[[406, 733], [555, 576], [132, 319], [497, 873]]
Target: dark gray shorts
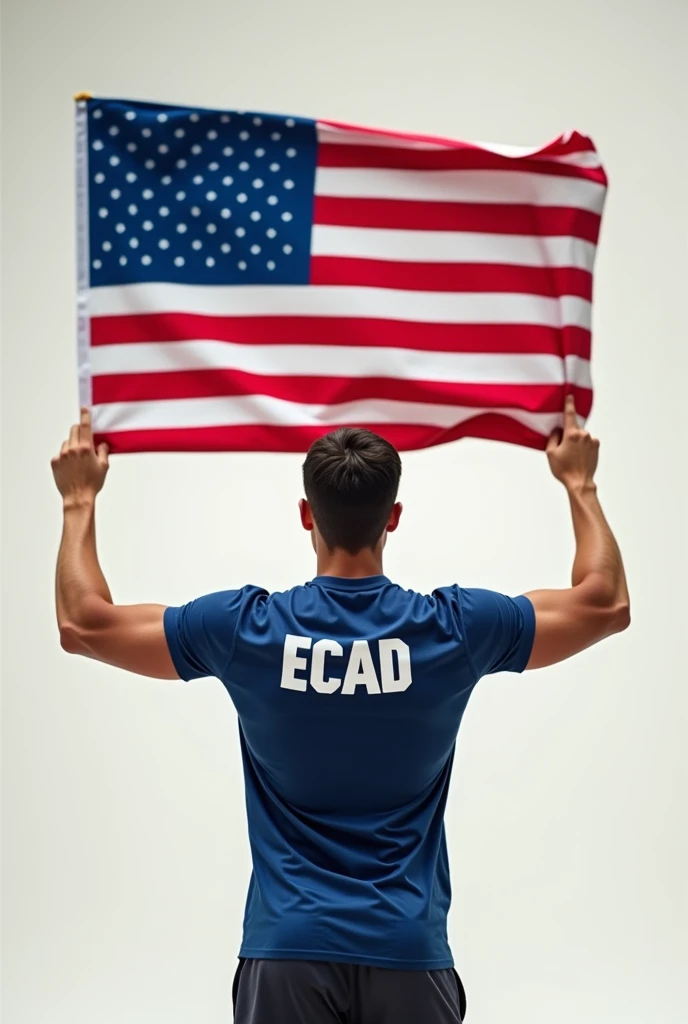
[[311, 992]]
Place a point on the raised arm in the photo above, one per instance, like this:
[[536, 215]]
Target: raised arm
[[129, 637], [596, 605]]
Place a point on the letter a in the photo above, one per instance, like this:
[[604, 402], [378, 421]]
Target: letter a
[[360, 671]]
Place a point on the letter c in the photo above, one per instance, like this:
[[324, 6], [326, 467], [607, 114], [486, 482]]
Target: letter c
[[320, 649]]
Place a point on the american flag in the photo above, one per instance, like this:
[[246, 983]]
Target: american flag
[[252, 281]]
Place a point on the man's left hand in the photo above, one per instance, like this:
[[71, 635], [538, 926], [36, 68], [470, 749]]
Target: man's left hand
[[80, 469]]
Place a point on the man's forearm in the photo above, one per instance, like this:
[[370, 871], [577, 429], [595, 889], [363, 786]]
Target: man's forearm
[[597, 552], [130, 637], [79, 577]]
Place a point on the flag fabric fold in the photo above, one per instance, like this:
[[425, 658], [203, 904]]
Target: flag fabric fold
[[252, 281]]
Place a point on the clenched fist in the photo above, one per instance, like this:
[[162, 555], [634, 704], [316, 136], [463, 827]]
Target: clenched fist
[[79, 469], [573, 453]]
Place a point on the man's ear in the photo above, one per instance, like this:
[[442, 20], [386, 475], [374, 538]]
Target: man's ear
[[394, 517], [306, 515]]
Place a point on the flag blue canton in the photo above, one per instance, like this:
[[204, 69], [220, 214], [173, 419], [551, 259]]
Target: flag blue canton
[[198, 196]]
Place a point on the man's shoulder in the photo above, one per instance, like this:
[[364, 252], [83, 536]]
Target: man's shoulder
[[310, 590]]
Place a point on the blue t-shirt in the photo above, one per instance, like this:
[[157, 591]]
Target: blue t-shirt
[[349, 694]]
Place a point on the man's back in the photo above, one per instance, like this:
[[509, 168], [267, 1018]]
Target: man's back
[[349, 693]]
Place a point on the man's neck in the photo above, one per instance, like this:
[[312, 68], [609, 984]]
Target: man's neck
[[340, 563]]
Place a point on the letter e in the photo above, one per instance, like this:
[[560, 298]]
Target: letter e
[[291, 662]]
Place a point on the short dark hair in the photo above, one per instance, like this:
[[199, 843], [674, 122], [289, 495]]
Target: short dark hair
[[351, 478]]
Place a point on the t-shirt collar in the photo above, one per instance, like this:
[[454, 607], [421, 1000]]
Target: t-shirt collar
[[350, 583]]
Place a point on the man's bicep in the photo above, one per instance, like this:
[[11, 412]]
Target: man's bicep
[[498, 630], [568, 622], [131, 637], [187, 642]]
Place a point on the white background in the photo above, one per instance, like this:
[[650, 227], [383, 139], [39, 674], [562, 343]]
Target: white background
[[125, 853]]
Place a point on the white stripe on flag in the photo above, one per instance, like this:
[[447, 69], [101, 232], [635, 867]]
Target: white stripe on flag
[[583, 158], [452, 247], [344, 301], [484, 186], [335, 361], [263, 409]]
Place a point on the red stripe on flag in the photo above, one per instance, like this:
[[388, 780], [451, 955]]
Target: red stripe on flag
[[307, 390], [572, 142], [451, 277], [271, 330], [333, 155], [487, 218], [255, 438]]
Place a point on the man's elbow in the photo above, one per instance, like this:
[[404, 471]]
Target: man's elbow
[[613, 617], [83, 633], [613, 613], [71, 639], [620, 617]]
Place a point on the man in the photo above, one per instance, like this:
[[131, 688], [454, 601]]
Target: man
[[350, 692]]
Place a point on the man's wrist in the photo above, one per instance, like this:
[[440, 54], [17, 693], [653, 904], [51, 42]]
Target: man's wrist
[[83, 501], [580, 488]]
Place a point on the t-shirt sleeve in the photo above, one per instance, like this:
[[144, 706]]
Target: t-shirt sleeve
[[200, 635], [498, 630]]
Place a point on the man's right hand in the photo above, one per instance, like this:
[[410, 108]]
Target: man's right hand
[[573, 453], [596, 604]]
